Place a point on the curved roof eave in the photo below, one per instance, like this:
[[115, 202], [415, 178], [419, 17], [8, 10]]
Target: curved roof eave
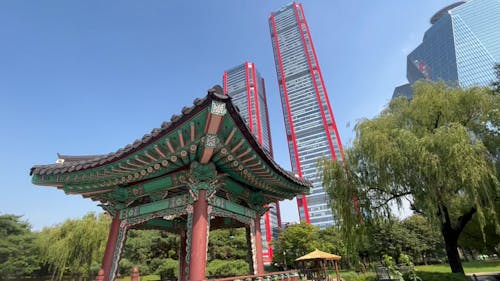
[[87, 162]]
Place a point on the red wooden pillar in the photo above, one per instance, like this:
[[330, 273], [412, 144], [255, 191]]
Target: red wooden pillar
[[107, 260], [258, 246], [198, 254], [182, 256]]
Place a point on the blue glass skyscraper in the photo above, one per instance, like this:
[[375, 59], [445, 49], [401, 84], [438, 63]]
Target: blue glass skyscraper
[[461, 47]]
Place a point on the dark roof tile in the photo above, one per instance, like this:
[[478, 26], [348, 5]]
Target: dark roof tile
[[175, 118], [155, 132], [199, 101], [187, 109], [146, 138], [165, 124]]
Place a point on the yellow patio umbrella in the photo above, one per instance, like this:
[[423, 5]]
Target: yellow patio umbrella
[[318, 255]]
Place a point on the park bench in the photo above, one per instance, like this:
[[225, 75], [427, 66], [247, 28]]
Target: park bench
[[384, 274]]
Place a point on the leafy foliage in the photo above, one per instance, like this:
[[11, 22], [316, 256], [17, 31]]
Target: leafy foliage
[[147, 249], [413, 235], [167, 268], [300, 239], [295, 241], [422, 240], [367, 277], [18, 251], [389, 262], [412, 275], [75, 246], [223, 268], [486, 242], [437, 151], [226, 244], [438, 276]]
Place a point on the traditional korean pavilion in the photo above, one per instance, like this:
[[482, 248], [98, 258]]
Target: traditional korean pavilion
[[202, 170]]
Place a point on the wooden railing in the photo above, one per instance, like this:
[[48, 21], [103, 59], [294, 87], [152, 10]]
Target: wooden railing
[[291, 275]]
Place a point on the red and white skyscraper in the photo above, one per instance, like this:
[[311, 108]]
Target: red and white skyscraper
[[310, 126], [246, 88]]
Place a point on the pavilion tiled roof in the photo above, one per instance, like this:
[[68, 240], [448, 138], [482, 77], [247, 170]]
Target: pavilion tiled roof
[[80, 163], [87, 161]]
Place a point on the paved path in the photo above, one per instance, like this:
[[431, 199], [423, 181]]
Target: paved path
[[485, 276]]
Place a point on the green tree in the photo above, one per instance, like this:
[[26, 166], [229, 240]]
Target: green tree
[[388, 236], [147, 249], [413, 235], [154, 251], [75, 247], [424, 240], [487, 242], [227, 244], [223, 268], [18, 252], [492, 139], [330, 240], [427, 150], [167, 268], [295, 241]]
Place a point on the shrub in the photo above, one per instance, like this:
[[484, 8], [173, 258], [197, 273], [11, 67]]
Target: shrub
[[347, 276], [125, 267], [167, 268], [223, 268], [367, 277], [439, 276], [352, 276]]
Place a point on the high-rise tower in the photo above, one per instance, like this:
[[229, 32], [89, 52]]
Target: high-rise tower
[[461, 47], [310, 126], [245, 86]]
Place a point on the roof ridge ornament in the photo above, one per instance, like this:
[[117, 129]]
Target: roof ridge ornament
[[218, 108]]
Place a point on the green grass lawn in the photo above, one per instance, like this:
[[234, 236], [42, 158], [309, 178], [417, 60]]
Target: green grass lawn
[[469, 267]]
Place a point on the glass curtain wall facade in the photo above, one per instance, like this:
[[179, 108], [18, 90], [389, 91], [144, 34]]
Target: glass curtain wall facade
[[310, 126], [246, 87], [461, 47]]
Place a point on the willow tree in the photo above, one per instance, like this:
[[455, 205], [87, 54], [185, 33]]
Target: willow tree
[[429, 151], [75, 247]]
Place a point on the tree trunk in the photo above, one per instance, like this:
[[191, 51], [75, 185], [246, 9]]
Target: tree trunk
[[424, 259], [451, 234], [451, 244]]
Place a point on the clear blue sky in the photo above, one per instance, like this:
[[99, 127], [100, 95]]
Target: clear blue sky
[[89, 77]]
